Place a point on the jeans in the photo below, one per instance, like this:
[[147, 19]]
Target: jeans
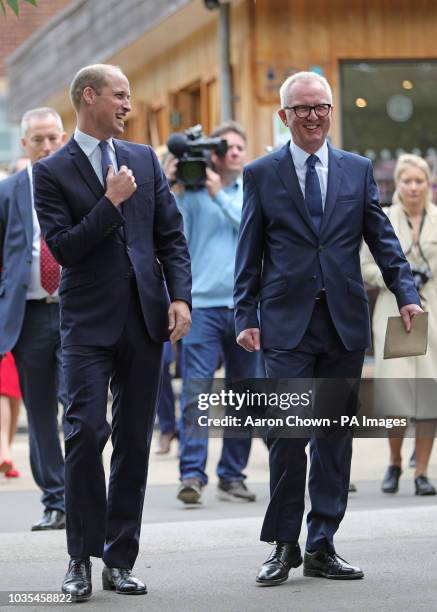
[[211, 339]]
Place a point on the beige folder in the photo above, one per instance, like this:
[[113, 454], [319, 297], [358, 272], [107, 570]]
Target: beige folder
[[399, 343]]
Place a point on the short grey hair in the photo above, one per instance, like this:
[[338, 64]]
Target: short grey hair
[[93, 76], [304, 76], [39, 113]]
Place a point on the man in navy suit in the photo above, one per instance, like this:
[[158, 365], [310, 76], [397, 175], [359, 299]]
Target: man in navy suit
[[306, 209], [109, 219], [29, 313]]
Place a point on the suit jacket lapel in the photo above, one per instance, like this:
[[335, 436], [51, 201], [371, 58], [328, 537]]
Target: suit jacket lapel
[[335, 172], [122, 154], [287, 173], [86, 170], [24, 205]]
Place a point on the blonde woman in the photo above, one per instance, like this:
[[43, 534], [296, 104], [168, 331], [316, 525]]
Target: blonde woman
[[414, 218]]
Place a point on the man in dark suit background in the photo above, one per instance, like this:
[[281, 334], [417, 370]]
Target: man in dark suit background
[[29, 313], [306, 209], [109, 219]]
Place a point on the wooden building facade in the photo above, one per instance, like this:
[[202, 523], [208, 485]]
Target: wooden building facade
[[380, 57]]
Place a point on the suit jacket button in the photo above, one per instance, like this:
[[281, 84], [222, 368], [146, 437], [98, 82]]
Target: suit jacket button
[[321, 247], [314, 277]]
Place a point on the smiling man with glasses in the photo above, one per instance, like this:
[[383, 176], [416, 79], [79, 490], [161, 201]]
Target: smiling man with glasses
[[306, 209]]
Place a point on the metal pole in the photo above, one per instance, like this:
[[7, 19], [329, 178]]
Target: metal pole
[[226, 93]]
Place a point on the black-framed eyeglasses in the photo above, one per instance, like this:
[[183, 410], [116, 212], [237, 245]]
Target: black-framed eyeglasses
[[303, 112]]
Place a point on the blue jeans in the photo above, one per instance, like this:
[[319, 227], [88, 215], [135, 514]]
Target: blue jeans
[[211, 338]]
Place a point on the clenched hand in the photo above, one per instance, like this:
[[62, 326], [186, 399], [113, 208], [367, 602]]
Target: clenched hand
[[249, 339], [120, 187]]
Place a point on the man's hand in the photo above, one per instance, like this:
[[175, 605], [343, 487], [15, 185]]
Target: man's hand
[[407, 313], [179, 320], [249, 339], [213, 182], [120, 187], [170, 166]]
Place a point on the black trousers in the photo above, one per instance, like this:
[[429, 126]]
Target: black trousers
[[320, 354], [100, 524]]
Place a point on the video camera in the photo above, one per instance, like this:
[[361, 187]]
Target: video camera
[[421, 275], [191, 149]]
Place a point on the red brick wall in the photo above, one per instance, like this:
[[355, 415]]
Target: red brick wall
[[15, 30]]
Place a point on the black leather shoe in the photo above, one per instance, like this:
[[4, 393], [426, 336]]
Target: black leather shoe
[[275, 569], [77, 581], [423, 486], [52, 519], [390, 484], [122, 581], [329, 565]]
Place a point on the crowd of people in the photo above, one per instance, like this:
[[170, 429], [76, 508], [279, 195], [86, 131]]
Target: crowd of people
[[98, 255]]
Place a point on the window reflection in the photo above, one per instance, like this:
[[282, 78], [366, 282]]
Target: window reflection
[[389, 107]]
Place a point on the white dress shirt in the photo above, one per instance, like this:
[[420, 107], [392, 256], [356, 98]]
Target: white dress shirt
[[90, 146], [300, 158], [35, 291]]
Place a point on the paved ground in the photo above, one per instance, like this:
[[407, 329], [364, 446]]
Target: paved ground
[[206, 558]]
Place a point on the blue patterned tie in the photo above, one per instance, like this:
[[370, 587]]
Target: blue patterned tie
[[313, 193], [106, 160]]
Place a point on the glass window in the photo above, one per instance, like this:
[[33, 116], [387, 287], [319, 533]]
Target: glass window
[[5, 140], [389, 107]]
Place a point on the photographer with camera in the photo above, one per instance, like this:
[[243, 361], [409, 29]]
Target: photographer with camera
[[210, 200], [414, 218]]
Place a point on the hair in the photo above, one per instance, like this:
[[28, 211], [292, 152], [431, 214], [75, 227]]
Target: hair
[[303, 76], [409, 160], [229, 126], [93, 76], [39, 113]]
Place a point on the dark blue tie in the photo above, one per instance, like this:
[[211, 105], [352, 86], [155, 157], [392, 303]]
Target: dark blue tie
[[313, 193], [106, 160]]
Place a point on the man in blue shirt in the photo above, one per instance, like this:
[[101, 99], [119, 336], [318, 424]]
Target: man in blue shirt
[[211, 223]]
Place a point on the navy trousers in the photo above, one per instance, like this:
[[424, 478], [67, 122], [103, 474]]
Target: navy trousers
[[38, 358], [320, 354], [109, 525]]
